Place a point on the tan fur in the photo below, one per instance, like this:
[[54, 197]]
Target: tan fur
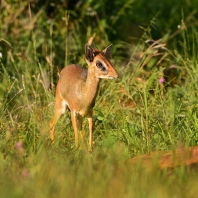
[[77, 89]]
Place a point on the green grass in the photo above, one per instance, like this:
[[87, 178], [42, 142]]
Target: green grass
[[133, 115]]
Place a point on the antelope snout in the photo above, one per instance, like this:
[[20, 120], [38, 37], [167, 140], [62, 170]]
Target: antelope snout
[[113, 77]]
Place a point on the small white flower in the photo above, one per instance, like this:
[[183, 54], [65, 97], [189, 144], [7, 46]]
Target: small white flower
[[1, 55]]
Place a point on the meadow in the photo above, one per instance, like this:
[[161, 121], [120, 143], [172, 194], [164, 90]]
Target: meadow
[[153, 105]]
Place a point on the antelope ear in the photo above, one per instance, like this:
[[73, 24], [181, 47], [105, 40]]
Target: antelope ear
[[107, 51], [89, 53]]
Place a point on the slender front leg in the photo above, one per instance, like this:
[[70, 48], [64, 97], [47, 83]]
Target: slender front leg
[[77, 125], [74, 123], [79, 119], [90, 120]]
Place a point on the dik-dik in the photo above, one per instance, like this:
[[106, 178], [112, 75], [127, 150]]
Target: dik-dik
[[77, 89]]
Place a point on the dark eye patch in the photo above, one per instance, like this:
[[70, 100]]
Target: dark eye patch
[[100, 66]]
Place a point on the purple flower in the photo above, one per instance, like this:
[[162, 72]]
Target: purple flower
[[19, 145], [25, 174], [172, 66], [161, 80]]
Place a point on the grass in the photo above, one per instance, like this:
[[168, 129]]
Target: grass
[[133, 115]]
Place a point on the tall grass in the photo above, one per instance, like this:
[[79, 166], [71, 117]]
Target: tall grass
[[133, 115]]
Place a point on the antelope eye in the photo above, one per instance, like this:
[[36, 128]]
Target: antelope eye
[[99, 64]]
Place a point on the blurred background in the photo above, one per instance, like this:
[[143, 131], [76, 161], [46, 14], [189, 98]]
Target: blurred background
[[67, 25]]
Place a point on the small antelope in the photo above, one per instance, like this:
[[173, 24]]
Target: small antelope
[[77, 89]]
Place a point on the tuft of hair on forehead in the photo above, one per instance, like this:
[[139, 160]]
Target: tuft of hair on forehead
[[96, 52]]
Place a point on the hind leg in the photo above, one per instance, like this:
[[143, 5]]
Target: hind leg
[[60, 107]]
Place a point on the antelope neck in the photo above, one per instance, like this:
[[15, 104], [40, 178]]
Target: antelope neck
[[91, 85]]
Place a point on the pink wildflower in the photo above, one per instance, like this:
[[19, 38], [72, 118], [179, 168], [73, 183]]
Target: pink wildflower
[[25, 174], [19, 145], [161, 80]]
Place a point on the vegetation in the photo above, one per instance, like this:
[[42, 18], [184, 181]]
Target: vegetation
[[153, 106]]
